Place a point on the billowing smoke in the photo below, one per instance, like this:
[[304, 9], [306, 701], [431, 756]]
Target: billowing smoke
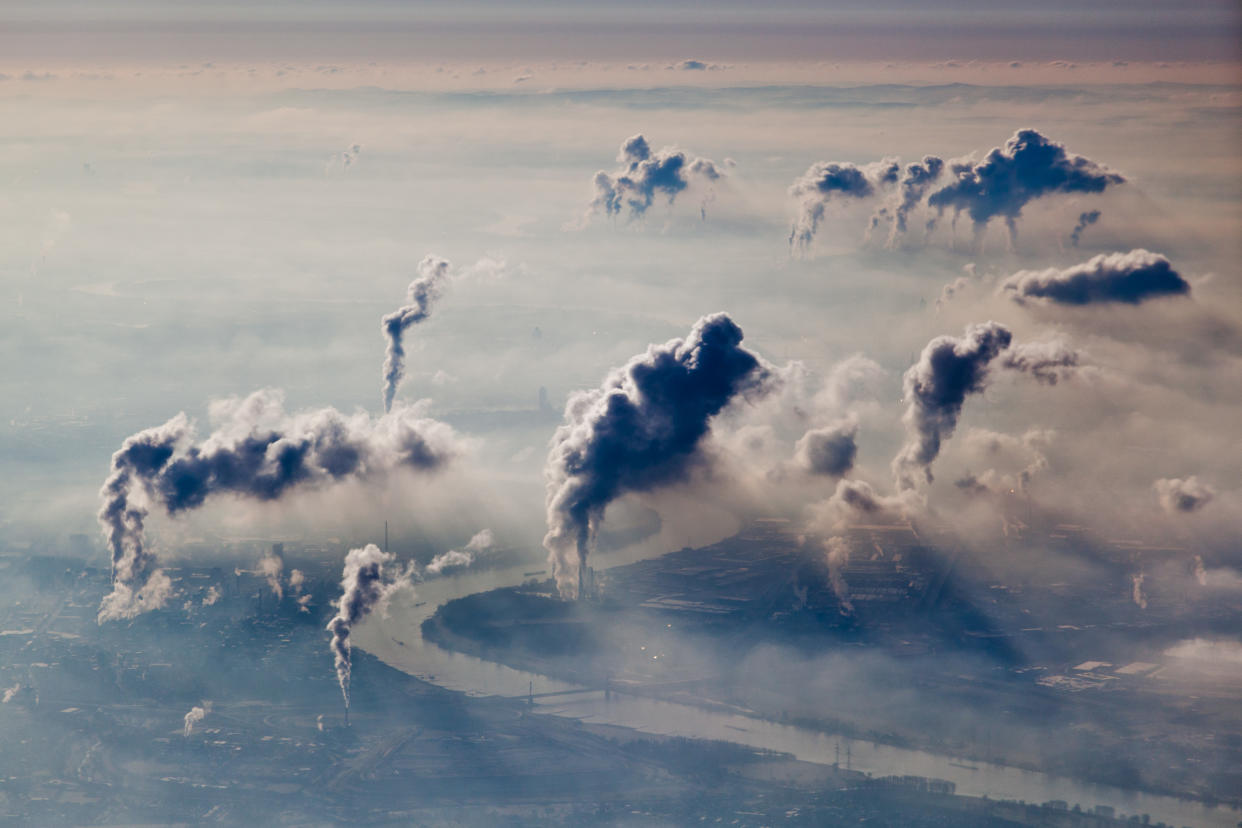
[[1128, 278], [10, 693], [138, 462], [420, 296], [646, 173], [838, 553], [828, 181], [212, 596], [936, 386], [370, 578], [1085, 220], [257, 452], [855, 499], [916, 179], [1028, 167], [1183, 496], [1047, 361], [459, 558], [1136, 589], [196, 715], [642, 428], [829, 450]]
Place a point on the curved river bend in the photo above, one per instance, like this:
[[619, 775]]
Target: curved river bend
[[397, 641]]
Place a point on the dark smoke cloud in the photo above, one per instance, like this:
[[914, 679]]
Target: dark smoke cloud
[[420, 296], [935, 388], [916, 179], [257, 452], [370, 578], [642, 428], [1046, 361], [1129, 278], [1028, 167], [1183, 496], [830, 450], [1085, 220], [646, 173], [828, 181], [138, 584]]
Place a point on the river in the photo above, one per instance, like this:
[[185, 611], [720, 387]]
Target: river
[[397, 641]]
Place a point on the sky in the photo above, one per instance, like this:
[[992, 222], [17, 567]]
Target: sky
[[205, 201], [1154, 30]]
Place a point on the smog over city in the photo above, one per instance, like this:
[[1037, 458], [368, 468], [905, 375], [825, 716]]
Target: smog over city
[[621, 414]]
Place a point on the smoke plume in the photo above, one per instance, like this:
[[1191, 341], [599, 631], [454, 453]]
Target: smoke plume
[[854, 500], [370, 578], [457, 558], [257, 452], [196, 715], [1136, 589], [138, 462], [936, 386], [838, 554], [645, 173], [1085, 220], [420, 296], [271, 567], [1129, 278], [1028, 167], [828, 181], [642, 428], [1046, 361], [829, 450], [916, 179]]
